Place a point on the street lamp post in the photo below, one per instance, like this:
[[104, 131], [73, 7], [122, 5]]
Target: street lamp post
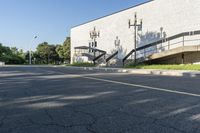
[[136, 25], [30, 52], [94, 35]]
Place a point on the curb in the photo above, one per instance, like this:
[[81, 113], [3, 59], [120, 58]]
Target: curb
[[186, 73], [178, 73]]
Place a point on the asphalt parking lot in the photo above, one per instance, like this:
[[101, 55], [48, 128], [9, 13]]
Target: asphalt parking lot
[[36, 99]]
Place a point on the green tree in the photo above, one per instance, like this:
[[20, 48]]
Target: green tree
[[1, 49], [66, 48], [4, 50], [14, 50], [60, 52], [21, 53], [43, 51], [10, 55], [53, 55], [47, 53]]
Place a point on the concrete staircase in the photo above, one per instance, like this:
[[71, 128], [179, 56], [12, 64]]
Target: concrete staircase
[[116, 63]]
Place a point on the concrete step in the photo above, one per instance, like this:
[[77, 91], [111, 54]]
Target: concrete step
[[117, 63]]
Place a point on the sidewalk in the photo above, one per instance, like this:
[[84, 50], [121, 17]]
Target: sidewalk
[[187, 73]]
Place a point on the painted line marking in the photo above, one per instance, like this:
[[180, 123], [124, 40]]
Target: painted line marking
[[137, 85], [144, 87]]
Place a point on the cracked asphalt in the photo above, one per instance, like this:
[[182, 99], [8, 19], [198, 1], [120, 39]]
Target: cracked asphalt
[[45, 99]]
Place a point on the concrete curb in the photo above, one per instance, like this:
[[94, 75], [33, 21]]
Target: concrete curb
[[186, 73], [180, 73]]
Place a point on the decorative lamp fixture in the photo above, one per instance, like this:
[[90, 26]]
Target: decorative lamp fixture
[[136, 26]]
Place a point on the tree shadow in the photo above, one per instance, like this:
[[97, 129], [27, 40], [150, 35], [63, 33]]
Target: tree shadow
[[66, 103]]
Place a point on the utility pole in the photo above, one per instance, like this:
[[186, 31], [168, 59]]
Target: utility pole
[[139, 26]]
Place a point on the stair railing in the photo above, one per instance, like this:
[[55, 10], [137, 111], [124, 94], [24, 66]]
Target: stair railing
[[112, 56], [153, 47], [98, 57]]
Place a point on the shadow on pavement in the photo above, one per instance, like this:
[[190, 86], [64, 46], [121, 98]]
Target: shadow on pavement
[[45, 101]]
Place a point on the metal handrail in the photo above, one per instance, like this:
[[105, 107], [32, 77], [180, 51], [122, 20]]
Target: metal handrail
[[113, 55], [86, 48], [96, 58], [184, 34]]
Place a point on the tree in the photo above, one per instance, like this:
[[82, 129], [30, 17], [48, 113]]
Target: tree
[[47, 53], [4, 50], [44, 54], [43, 51], [21, 53], [14, 50], [66, 48], [53, 55], [1, 49], [60, 52], [11, 55]]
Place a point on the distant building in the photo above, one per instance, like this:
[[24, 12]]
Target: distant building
[[169, 29]]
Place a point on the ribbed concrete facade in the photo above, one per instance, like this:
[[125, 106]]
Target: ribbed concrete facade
[[173, 16]]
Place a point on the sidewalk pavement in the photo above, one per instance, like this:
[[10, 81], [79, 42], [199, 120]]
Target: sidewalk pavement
[[180, 73], [187, 73]]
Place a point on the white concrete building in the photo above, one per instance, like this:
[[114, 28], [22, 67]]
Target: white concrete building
[[161, 19]]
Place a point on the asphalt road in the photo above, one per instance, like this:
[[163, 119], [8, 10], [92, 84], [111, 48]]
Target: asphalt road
[[63, 100]]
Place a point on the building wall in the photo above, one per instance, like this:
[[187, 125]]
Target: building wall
[[175, 16], [188, 58]]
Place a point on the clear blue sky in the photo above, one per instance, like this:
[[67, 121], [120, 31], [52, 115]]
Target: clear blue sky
[[51, 20]]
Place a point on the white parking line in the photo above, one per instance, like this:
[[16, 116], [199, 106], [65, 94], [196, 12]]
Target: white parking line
[[136, 85], [146, 87]]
